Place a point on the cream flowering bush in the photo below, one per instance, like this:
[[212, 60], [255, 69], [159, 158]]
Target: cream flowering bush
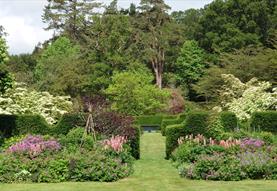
[[21, 100], [245, 98]]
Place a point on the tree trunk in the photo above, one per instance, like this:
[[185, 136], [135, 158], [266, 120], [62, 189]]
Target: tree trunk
[[158, 78]]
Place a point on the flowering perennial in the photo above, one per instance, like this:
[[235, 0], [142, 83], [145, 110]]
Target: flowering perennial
[[115, 142], [200, 139], [34, 145]]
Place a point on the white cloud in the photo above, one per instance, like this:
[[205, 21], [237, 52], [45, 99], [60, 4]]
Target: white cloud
[[22, 36]]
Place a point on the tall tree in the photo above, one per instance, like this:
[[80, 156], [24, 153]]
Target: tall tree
[[5, 76], [232, 24], [155, 34], [69, 16]]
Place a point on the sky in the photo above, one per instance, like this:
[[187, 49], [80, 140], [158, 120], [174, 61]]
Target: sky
[[22, 20]]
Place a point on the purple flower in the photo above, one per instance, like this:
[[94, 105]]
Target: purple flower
[[34, 145]]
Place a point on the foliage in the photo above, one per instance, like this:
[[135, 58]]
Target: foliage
[[215, 167], [245, 98], [6, 78], [176, 103], [197, 123], [20, 100], [229, 121], [132, 93], [264, 121], [97, 164], [166, 122], [22, 66], [151, 120], [69, 121], [60, 69], [13, 125], [69, 17], [238, 24], [251, 62], [77, 138], [10, 141], [190, 64], [173, 133]]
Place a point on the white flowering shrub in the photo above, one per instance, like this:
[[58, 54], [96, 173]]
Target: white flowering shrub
[[21, 100], [245, 98]]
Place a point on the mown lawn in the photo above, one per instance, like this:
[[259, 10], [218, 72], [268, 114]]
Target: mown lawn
[[152, 173]]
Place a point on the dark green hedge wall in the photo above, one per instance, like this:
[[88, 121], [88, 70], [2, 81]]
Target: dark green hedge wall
[[264, 121], [173, 133], [69, 121], [197, 123], [229, 120], [135, 143], [11, 125]]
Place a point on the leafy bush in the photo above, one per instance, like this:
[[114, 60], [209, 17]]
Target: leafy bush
[[77, 138], [229, 121], [255, 164], [264, 121], [11, 125], [10, 141], [151, 120], [69, 121], [167, 122], [215, 167], [133, 93], [197, 123], [173, 133], [98, 164], [135, 143]]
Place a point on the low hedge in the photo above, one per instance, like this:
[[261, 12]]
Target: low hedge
[[173, 133], [69, 121], [167, 122], [152, 120], [11, 125], [264, 121], [135, 143], [228, 120], [197, 123]]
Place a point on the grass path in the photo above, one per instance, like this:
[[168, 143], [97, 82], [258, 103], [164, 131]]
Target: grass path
[[152, 173]]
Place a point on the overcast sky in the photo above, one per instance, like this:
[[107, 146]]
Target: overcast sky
[[22, 20]]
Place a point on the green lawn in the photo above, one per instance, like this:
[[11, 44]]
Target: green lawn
[[152, 173]]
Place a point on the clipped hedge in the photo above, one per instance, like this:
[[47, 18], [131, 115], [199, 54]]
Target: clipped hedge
[[197, 123], [152, 120], [264, 121], [228, 120], [69, 121], [135, 143], [166, 122], [11, 125], [173, 133]]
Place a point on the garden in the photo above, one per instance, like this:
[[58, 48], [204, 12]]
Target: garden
[[143, 98]]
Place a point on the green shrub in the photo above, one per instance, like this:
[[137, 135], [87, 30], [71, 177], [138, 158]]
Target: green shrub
[[11, 125], [151, 120], [264, 121], [135, 143], [173, 133], [77, 138], [229, 121], [215, 167], [197, 123], [68, 122], [166, 122], [10, 141]]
